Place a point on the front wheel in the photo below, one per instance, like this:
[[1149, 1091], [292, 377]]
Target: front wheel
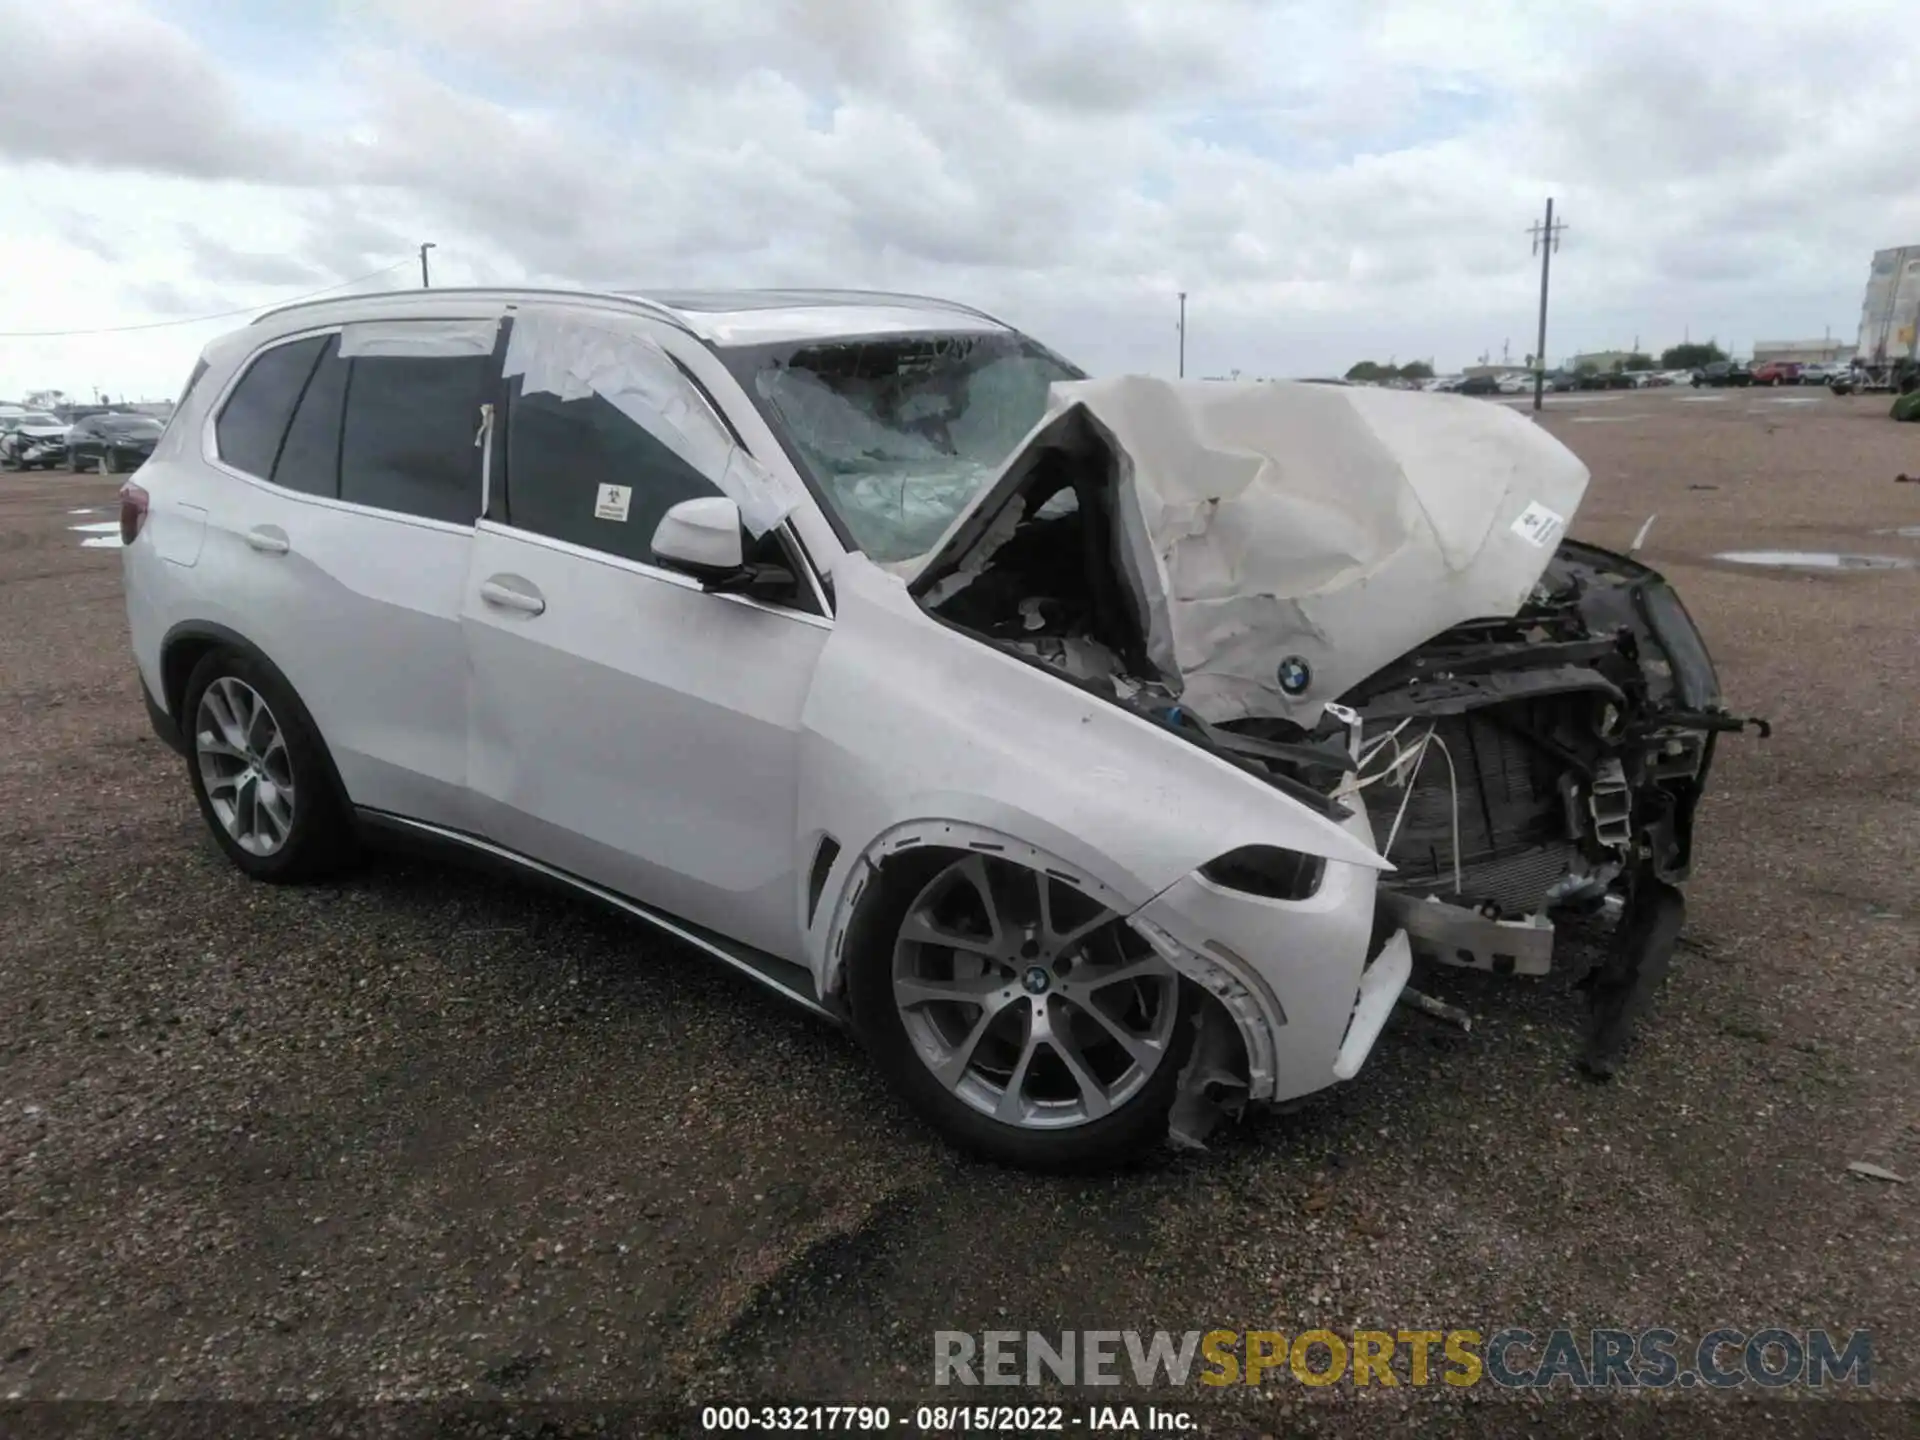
[[1021, 1018], [259, 771]]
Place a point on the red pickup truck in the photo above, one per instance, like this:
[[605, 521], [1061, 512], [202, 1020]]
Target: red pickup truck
[[1777, 372]]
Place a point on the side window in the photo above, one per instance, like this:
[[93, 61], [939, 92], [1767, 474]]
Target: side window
[[254, 420], [310, 455], [559, 455], [407, 440]]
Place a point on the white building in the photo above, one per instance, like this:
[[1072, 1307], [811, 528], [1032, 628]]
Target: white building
[[1803, 352]]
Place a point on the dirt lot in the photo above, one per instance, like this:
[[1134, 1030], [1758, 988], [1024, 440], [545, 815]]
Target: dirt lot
[[425, 1134]]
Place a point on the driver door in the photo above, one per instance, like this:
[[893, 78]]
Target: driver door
[[626, 726]]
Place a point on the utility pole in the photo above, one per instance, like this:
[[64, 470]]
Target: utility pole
[[1183, 334], [1546, 240], [424, 282]]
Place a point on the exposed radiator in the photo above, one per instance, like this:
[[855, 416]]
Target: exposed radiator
[[1513, 826]]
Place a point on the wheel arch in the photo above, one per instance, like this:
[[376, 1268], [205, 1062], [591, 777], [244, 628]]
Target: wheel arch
[[182, 649], [853, 875], [858, 875]]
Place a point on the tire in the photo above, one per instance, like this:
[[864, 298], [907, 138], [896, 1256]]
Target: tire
[[1050, 964], [300, 839]]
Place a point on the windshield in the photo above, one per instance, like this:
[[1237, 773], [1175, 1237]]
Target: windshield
[[131, 425], [900, 432], [32, 417]]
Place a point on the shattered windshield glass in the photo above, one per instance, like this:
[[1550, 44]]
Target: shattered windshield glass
[[900, 432]]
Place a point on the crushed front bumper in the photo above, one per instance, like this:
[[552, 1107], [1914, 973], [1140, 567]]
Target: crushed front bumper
[[1295, 976]]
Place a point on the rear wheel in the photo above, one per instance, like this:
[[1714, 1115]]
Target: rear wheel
[[110, 462], [259, 772], [1024, 1020]]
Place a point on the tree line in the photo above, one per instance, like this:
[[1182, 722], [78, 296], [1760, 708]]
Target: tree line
[[1690, 356]]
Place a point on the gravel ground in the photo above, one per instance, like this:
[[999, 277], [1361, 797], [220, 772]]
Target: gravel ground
[[422, 1133]]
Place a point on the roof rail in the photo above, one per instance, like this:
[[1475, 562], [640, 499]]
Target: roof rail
[[495, 291], [939, 302]]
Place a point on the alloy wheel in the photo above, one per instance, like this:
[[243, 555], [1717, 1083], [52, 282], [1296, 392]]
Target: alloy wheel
[[1026, 999], [244, 766]]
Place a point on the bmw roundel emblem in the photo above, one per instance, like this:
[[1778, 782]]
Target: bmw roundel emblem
[[1295, 675]]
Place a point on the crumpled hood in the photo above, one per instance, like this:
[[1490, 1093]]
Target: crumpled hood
[[43, 432], [1283, 541]]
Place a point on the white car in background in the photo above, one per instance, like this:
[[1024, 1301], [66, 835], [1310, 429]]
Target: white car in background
[[32, 440], [1069, 739]]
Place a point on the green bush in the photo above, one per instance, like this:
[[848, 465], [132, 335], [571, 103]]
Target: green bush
[[1907, 407]]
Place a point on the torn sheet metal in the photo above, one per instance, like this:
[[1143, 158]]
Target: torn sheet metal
[[573, 354], [418, 339], [1284, 541]]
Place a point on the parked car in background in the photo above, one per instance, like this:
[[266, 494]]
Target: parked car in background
[[32, 440], [1479, 385], [1648, 379], [1601, 380], [112, 443], [839, 635], [1519, 384], [1776, 372], [1818, 372], [1722, 372]]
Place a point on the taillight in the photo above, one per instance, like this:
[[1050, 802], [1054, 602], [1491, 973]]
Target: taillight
[[133, 512]]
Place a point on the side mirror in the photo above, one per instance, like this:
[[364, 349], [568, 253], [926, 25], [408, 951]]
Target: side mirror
[[701, 538]]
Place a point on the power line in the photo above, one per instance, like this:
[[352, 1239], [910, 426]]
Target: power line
[[201, 319]]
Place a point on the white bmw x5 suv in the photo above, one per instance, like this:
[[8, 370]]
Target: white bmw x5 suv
[[1037, 727]]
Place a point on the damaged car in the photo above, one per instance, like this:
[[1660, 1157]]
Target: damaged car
[[32, 440], [1103, 752]]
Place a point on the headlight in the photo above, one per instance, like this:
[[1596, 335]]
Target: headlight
[[1268, 871]]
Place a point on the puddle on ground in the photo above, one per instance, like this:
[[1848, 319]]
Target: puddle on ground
[[98, 527], [1604, 419], [1816, 560], [101, 542], [83, 512], [1702, 399], [1905, 532]]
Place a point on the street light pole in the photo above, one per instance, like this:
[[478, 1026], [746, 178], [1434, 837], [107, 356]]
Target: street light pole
[[1546, 239], [1183, 334], [425, 283]]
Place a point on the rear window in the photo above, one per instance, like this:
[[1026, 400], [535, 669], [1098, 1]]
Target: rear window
[[254, 420], [407, 443], [310, 455]]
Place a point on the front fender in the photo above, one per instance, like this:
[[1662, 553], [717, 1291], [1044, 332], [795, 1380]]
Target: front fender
[[911, 721]]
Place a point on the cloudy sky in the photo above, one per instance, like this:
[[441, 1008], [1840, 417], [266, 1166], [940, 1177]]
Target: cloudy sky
[[1329, 182]]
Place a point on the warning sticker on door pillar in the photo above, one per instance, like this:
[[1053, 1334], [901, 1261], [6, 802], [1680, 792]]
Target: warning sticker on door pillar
[[612, 502], [1540, 526]]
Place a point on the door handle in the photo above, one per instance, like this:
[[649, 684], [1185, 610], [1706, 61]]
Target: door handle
[[510, 592], [268, 539]]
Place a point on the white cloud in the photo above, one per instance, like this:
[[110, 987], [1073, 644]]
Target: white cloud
[[1326, 182]]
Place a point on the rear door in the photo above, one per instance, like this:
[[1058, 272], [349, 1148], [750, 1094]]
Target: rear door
[[345, 556], [628, 727]]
